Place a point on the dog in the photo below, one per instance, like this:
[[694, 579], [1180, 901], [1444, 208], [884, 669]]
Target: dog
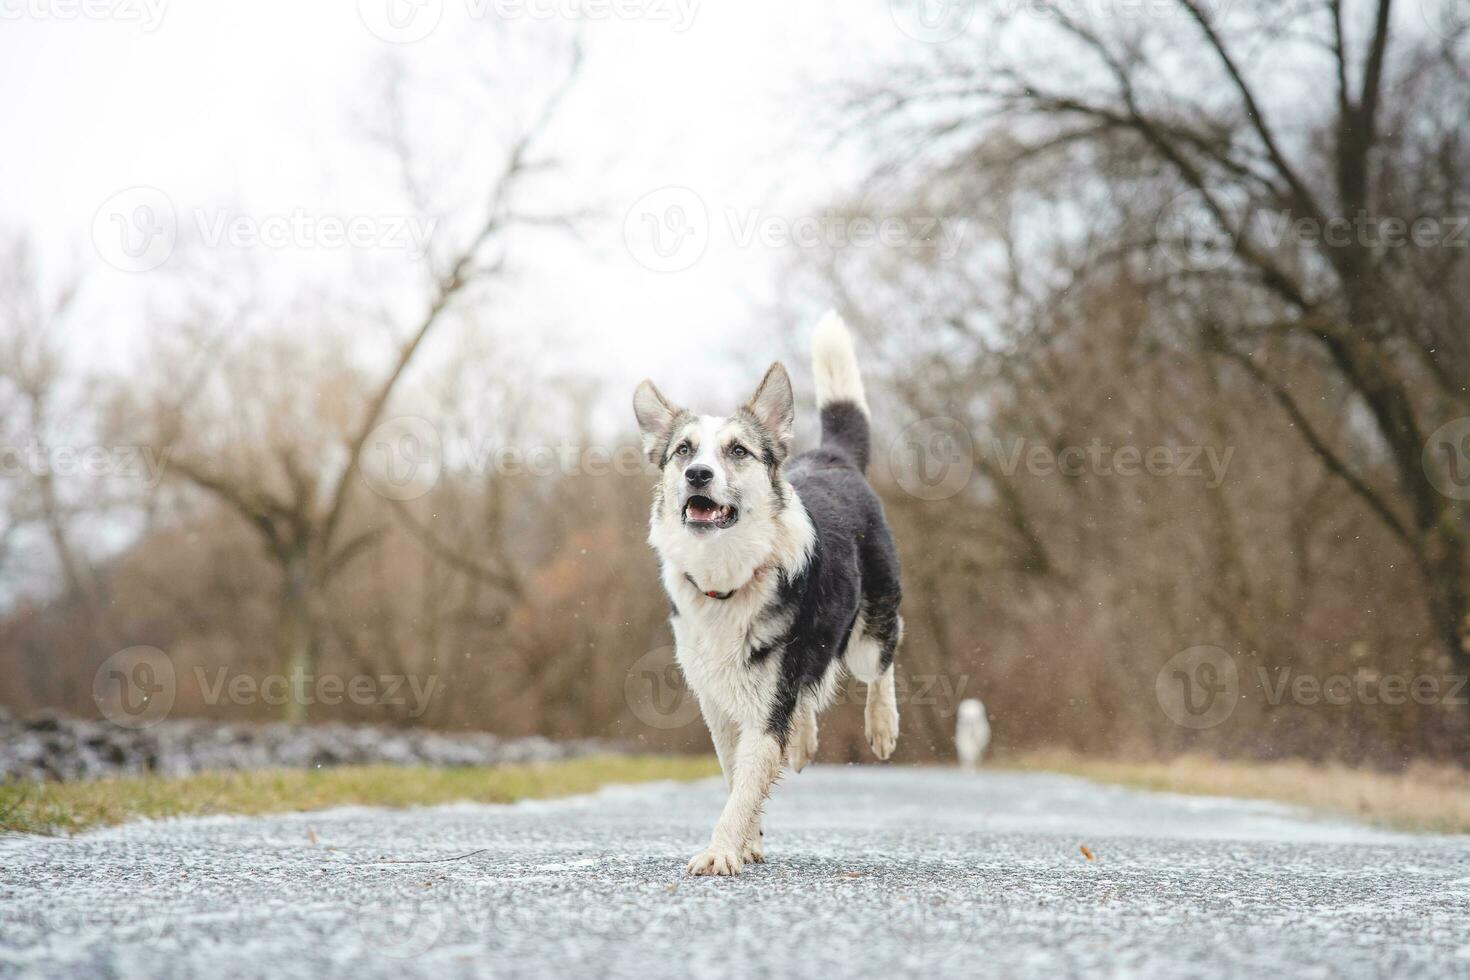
[[782, 574], [971, 733]]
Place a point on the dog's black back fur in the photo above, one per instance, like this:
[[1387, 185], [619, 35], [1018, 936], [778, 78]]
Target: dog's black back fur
[[853, 569]]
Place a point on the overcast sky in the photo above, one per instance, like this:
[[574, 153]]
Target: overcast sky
[[260, 110]]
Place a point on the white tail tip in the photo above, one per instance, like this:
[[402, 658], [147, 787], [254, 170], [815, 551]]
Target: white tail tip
[[834, 362]]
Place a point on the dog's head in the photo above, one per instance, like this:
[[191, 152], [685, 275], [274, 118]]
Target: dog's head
[[719, 474]]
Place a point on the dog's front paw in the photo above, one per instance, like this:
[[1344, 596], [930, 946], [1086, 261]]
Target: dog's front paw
[[715, 861], [882, 728], [751, 852], [801, 747], [799, 753]]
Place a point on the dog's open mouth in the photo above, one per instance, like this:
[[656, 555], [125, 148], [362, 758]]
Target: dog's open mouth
[[702, 513]]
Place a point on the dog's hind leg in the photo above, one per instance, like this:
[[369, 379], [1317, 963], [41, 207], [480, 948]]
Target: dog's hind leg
[[881, 716], [870, 659]]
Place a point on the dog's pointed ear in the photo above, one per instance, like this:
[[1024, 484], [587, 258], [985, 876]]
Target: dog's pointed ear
[[774, 406], [656, 416]]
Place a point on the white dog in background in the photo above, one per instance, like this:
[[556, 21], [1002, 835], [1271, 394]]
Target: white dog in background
[[971, 733]]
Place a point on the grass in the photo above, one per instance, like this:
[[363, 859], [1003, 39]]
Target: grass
[[66, 808], [1422, 798], [1427, 798]]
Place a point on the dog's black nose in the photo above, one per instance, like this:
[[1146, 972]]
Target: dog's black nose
[[699, 476]]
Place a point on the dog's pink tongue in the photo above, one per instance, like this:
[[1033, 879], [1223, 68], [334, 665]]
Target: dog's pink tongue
[[702, 513]]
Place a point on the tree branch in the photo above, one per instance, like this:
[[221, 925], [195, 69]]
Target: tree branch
[[447, 288], [1330, 459]]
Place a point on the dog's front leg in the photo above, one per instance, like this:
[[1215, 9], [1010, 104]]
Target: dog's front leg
[[802, 744], [757, 763], [725, 734]]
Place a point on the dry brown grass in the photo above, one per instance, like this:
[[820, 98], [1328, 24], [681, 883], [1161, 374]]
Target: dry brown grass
[[1425, 797], [61, 808]]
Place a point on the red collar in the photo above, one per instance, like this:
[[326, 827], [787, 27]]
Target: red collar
[[709, 592], [722, 596]]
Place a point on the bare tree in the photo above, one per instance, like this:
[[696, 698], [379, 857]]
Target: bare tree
[[1184, 158], [32, 378], [302, 510]]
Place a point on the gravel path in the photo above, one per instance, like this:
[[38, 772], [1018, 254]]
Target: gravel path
[[873, 872]]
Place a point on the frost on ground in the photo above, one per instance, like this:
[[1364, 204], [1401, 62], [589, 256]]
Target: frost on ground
[[873, 871]]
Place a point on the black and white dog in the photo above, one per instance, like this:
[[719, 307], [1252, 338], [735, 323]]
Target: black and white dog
[[782, 573]]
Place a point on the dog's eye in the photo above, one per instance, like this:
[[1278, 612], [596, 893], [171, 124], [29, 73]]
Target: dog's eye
[[739, 451], [683, 449]]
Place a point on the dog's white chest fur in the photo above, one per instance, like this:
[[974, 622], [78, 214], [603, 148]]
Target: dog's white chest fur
[[717, 640], [716, 649]]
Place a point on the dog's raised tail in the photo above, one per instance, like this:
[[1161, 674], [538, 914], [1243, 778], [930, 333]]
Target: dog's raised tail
[[840, 396]]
